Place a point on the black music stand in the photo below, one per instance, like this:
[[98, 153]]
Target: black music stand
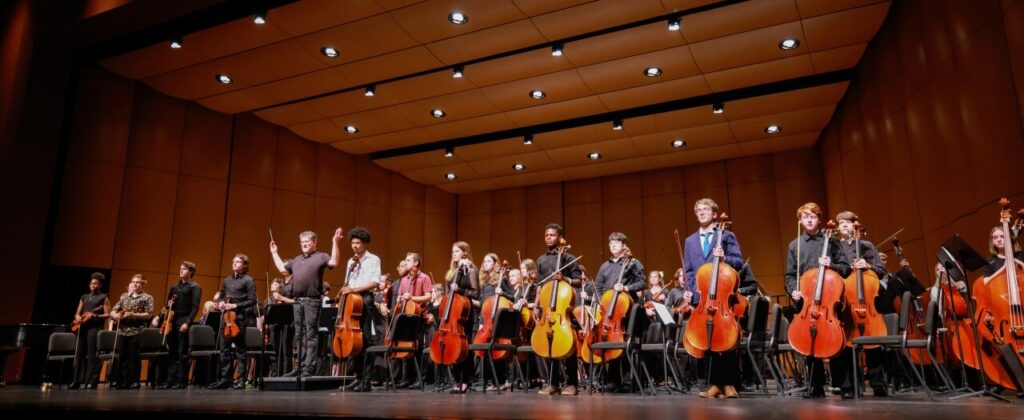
[[278, 314], [958, 258]]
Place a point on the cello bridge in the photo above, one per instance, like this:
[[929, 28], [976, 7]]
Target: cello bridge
[[861, 312]]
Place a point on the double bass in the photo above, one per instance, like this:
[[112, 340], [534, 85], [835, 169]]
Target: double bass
[[816, 331], [450, 345], [614, 308], [348, 335], [861, 288], [553, 336], [489, 316], [1000, 314], [713, 325]]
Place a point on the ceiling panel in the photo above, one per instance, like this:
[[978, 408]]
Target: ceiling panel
[[793, 99], [273, 62], [594, 16], [755, 74], [396, 139], [382, 67], [515, 67], [377, 121], [313, 15], [468, 127], [837, 58], [154, 59], [652, 94], [625, 43], [234, 37], [695, 138], [458, 106], [674, 63], [503, 165], [558, 86], [593, 133], [507, 37], [735, 19], [853, 26], [289, 115], [428, 21], [369, 37], [779, 144], [746, 48], [811, 8], [610, 150], [792, 122], [587, 105]]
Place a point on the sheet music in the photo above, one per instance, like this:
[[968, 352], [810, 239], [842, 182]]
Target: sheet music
[[663, 314]]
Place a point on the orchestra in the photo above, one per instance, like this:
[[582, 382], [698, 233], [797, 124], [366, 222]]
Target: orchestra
[[838, 289]]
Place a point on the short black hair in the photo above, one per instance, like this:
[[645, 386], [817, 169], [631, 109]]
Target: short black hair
[[98, 276], [618, 236], [359, 233], [557, 227]]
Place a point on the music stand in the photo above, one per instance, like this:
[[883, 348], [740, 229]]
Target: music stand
[[958, 258], [277, 314]]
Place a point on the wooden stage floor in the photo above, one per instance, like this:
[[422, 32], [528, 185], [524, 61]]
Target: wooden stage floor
[[23, 402]]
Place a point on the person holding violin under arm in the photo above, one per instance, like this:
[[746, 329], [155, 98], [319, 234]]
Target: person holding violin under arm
[[238, 297], [810, 244], [93, 307], [699, 249], [183, 298], [131, 313]]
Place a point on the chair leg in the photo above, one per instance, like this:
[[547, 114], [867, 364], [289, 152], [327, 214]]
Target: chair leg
[[854, 369], [903, 351], [757, 371]]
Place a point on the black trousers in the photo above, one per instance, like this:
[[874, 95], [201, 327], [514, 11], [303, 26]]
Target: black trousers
[[175, 366], [723, 368], [128, 355], [571, 371], [233, 349], [306, 320], [839, 366], [87, 363]]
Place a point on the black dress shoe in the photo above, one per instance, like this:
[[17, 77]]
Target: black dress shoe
[[352, 386], [89, 386], [816, 392], [163, 386], [402, 384], [73, 385], [846, 393], [238, 385], [413, 385], [881, 391], [292, 373], [219, 385], [177, 386]]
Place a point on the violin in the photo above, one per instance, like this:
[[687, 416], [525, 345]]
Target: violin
[[713, 325], [86, 317], [861, 288], [816, 331], [585, 316], [489, 316], [231, 329], [614, 308], [999, 315], [553, 336], [403, 307], [168, 325], [348, 335], [449, 345]]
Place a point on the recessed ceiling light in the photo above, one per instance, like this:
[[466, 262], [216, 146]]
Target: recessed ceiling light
[[450, 176], [518, 166], [617, 125], [457, 72], [677, 143], [449, 152], [329, 52], [528, 139], [458, 18], [773, 129], [717, 108], [537, 94], [438, 113], [370, 90], [351, 129], [175, 44], [593, 156], [224, 79], [673, 24], [652, 72], [260, 18], [789, 43], [556, 50]]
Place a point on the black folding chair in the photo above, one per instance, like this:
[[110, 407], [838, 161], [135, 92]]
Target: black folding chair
[[257, 351], [153, 350], [61, 349], [635, 328], [756, 338], [105, 351], [202, 344], [895, 340], [666, 347], [506, 327], [408, 328]]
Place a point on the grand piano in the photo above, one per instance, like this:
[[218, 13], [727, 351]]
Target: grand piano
[[33, 339]]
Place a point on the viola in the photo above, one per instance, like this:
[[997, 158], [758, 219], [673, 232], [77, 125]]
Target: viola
[[86, 317], [999, 314], [861, 288], [713, 325], [348, 334], [614, 309], [231, 329], [168, 325], [816, 331], [489, 315], [449, 345], [553, 336]]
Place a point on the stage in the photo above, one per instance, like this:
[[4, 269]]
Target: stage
[[20, 402]]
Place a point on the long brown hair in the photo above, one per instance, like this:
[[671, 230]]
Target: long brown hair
[[454, 264], [492, 278]]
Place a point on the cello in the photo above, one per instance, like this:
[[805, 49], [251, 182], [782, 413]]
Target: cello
[[713, 325], [614, 308], [1000, 314], [403, 307], [348, 335], [861, 289], [449, 344], [685, 308], [489, 316], [585, 315], [553, 336], [816, 331]]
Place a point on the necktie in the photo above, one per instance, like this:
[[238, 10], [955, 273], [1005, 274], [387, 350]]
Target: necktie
[[707, 243]]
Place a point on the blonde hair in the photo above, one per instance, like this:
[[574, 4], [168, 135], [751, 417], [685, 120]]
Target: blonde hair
[[454, 264], [992, 245], [810, 207], [707, 202]]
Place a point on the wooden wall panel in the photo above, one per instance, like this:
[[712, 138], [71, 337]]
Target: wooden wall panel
[[157, 125], [508, 221], [474, 223], [145, 222], [206, 143], [249, 211], [330, 214], [336, 173], [296, 160], [373, 183], [253, 152], [407, 229], [293, 214], [663, 214], [198, 224], [102, 117], [1013, 21], [438, 234], [87, 218], [376, 219], [584, 223]]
